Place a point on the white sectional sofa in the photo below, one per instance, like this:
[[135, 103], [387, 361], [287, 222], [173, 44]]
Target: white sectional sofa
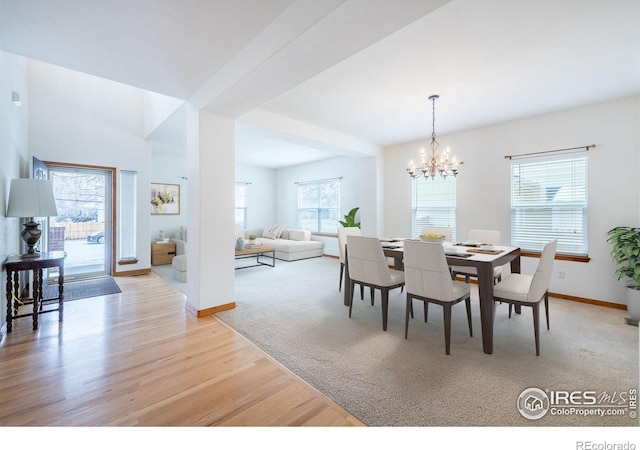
[[179, 262], [292, 245]]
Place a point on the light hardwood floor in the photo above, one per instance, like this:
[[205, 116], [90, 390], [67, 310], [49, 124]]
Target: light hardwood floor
[[139, 359]]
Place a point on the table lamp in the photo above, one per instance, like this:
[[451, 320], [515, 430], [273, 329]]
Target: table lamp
[[31, 198]]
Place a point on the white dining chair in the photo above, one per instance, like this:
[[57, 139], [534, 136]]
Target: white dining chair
[[343, 232], [529, 290], [427, 278], [489, 237], [368, 266]]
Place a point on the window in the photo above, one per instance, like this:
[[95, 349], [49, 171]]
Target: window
[[241, 205], [433, 204], [128, 208], [319, 205], [549, 200]]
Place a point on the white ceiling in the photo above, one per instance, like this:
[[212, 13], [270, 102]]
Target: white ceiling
[[361, 68]]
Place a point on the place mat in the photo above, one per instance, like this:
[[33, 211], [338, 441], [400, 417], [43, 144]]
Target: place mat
[[486, 252], [460, 255]]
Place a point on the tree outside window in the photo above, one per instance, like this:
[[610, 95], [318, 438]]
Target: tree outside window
[[319, 206]]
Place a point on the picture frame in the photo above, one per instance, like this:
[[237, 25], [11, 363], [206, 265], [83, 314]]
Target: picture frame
[[165, 199]]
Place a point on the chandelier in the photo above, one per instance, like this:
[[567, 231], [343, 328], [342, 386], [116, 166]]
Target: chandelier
[[430, 165]]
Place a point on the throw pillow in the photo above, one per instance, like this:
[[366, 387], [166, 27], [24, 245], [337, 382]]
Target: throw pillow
[[271, 232], [281, 229]]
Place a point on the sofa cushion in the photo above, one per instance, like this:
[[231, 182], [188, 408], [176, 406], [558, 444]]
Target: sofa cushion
[[299, 235], [179, 263], [289, 246]]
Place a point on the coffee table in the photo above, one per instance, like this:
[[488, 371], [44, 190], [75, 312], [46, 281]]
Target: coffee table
[[257, 252]]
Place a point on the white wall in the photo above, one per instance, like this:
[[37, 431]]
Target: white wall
[[169, 168], [483, 183], [81, 119], [13, 152], [357, 189], [261, 197], [157, 109]]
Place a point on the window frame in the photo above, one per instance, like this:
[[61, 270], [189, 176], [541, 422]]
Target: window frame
[[127, 223], [322, 207], [430, 188], [243, 208], [575, 181]]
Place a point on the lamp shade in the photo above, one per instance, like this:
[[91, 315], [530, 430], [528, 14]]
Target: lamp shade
[[31, 198]]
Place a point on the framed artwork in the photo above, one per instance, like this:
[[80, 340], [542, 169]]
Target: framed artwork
[[165, 198]]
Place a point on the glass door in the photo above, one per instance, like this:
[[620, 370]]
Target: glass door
[[83, 228]]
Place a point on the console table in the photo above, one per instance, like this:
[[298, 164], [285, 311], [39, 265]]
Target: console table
[[14, 265]]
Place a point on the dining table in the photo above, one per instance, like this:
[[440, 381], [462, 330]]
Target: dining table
[[484, 260]]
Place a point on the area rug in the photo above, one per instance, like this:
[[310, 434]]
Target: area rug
[[76, 290], [296, 314]]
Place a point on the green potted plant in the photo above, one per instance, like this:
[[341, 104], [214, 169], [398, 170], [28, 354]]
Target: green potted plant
[[626, 255], [350, 219]]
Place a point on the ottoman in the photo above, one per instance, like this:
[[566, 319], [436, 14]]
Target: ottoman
[[179, 265]]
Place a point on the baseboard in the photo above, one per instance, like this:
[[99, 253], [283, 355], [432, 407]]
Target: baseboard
[[572, 298], [589, 301], [209, 311], [132, 273]]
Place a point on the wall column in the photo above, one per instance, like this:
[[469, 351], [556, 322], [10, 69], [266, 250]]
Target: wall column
[[210, 214]]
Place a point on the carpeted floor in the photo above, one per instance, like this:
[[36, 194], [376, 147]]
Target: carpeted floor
[[165, 271], [76, 290], [295, 313]]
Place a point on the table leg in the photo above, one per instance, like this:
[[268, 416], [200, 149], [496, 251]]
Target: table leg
[[9, 292], [487, 307], [515, 268], [347, 279], [37, 295], [60, 291]]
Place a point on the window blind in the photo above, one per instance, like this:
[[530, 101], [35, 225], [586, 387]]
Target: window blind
[[128, 208], [549, 200], [433, 204], [241, 204]]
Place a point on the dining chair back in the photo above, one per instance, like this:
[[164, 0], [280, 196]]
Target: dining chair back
[[530, 290], [343, 232], [490, 237], [445, 231], [427, 278], [367, 266]]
